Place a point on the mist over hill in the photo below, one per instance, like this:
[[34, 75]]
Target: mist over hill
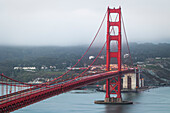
[[12, 56], [149, 50], [145, 50]]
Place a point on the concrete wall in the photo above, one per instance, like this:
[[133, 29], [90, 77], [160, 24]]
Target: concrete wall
[[125, 83], [133, 80]]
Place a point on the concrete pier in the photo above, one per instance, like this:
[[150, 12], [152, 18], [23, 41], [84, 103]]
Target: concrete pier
[[113, 100]]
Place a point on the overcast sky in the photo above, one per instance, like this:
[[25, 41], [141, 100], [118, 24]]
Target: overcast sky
[[75, 22]]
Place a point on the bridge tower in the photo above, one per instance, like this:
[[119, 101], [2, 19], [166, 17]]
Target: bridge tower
[[113, 86]]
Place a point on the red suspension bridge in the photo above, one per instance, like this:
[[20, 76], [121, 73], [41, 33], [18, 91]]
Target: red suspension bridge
[[16, 94]]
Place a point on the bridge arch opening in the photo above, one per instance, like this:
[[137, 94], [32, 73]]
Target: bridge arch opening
[[114, 17]]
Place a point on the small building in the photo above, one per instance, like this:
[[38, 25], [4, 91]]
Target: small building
[[17, 68], [91, 57], [52, 67], [125, 55], [44, 67], [77, 68], [158, 58], [101, 57], [25, 68], [29, 68]]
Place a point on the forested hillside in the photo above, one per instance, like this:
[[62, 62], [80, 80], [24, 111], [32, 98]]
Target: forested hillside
[[57, 56]]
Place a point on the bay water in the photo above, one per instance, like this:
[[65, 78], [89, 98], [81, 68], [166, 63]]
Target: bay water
[[155, 100]]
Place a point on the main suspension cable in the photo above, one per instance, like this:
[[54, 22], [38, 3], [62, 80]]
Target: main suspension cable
[[126, 40], [82, 55], [90, 64], [49, 82]]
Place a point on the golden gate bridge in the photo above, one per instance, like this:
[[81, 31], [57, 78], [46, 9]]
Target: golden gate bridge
[[16, 94]]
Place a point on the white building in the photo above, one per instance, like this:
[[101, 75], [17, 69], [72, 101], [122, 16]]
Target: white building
[[91, 57], [101, 57], [158, 58], [25, 68], [126, 55], [52, 67], [44, 67]]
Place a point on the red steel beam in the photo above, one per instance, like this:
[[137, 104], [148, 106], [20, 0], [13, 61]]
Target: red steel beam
[[26, 99]]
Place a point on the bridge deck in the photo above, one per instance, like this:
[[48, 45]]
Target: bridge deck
[[28, 97]]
